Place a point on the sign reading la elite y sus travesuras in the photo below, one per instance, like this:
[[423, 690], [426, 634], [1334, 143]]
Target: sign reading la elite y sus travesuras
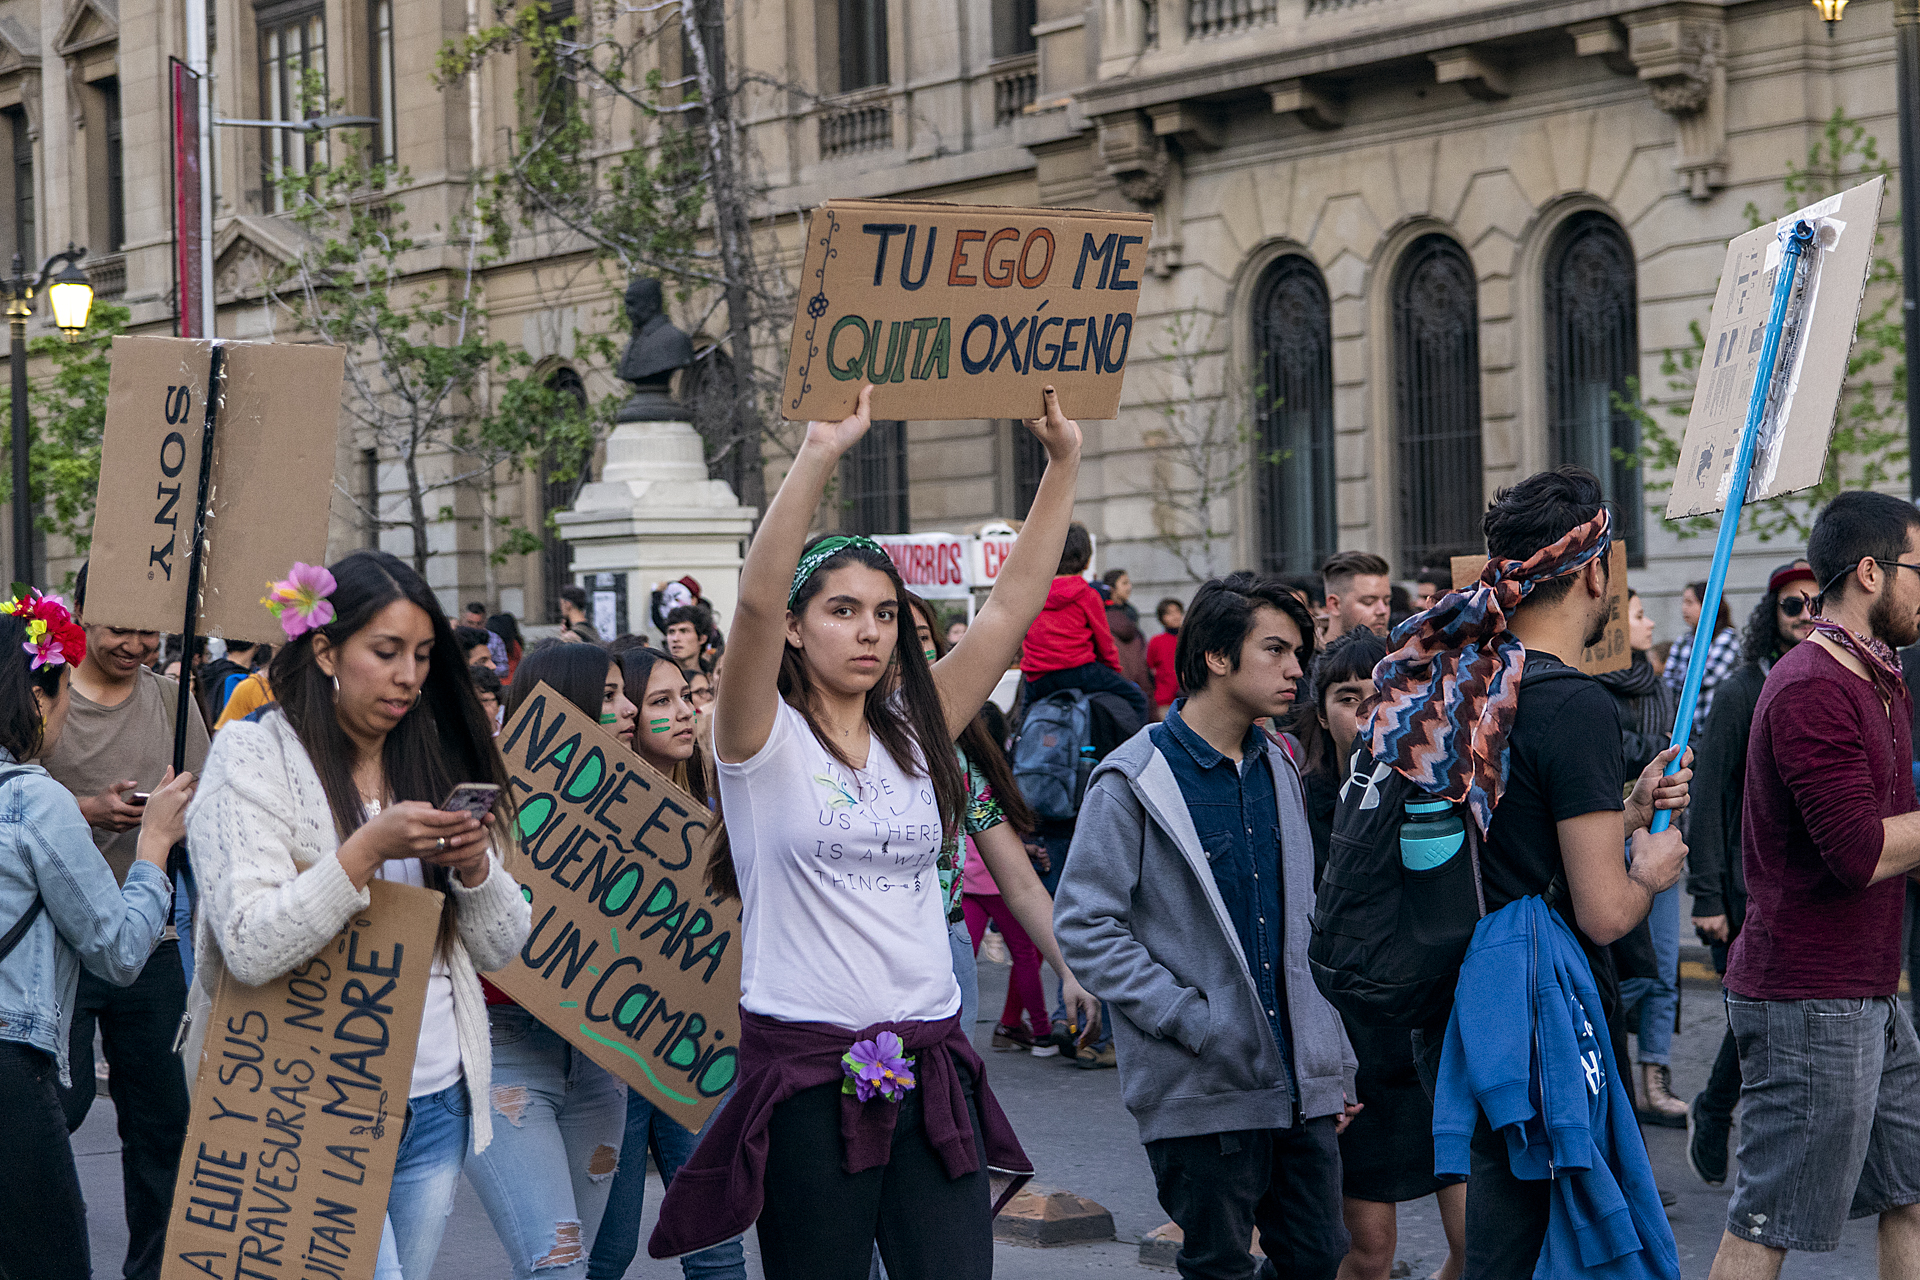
[[273, 454], [957, 311], [630, 959], [299, 1102]]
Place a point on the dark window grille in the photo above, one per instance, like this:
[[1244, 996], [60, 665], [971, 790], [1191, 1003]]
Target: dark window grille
[[863, 43], [1436, 356], [1029, 464], [293, 43], [1013, 27], [116, 168], [873, 480], [1293, 341], [557, 493], [1593, 344], [25, 236], [370, 478]]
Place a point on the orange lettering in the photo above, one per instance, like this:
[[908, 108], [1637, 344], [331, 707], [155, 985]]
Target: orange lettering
[[998, 279], [961, 239]]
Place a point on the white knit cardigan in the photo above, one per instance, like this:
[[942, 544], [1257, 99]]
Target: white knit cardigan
[[263, 847]]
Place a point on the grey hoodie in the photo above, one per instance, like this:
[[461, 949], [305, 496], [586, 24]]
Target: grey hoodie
[[1143, 927]]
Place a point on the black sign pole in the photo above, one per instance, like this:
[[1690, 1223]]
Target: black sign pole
[[196, 549]]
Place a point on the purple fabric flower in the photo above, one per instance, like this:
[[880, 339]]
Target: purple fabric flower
[[880, 1066]]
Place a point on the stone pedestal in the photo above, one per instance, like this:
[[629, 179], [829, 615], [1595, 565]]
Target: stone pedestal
[[654, 515]]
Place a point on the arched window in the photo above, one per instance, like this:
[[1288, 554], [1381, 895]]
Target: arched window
[[560, 482], [1436, 358], [1593, 344], [1293, 346]]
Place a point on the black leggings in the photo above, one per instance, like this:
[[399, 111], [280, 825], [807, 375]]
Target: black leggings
[[821, 1223], [43, 1228]]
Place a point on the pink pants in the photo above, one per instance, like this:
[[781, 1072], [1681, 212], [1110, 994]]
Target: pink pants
[[1023, 988]]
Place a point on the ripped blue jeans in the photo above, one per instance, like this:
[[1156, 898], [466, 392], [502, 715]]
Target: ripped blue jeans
[[558, 1123]]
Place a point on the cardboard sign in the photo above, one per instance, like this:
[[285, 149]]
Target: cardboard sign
[[957, 311], [299, 1104], [1791, 453], [630, 959], [1613, 652], [272, 481]]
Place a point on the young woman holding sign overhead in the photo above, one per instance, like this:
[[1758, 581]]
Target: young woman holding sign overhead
[[339, 783], [558, 1115], [862, 1112]]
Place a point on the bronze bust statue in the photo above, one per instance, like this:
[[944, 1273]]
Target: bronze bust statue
[[654, 351]]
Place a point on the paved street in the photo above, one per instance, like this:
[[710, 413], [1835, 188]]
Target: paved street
[[1081, 1139]]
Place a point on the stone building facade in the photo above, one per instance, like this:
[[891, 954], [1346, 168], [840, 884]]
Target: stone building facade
[[1405, 251]]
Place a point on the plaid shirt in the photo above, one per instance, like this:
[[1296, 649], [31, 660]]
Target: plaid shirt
[[1722, 657]]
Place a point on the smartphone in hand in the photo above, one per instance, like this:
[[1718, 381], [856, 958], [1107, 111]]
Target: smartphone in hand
[[475, 798]]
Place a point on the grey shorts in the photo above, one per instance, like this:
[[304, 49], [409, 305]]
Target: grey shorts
[[1829, 1117]]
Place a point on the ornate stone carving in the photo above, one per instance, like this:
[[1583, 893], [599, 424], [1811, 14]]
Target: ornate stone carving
[[1679, 51]]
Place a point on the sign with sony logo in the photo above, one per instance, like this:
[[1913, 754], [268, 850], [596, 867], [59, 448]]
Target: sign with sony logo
[[268, 488]]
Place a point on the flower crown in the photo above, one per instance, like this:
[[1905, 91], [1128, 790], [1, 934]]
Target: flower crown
[[299, 601], [53, 637]]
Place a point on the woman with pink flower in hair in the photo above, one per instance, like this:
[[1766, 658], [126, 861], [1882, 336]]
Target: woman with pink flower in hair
[[862, 1114], [60, 912], [337, 783]]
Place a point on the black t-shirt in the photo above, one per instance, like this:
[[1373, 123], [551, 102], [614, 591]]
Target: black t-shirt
[[1564, 759]]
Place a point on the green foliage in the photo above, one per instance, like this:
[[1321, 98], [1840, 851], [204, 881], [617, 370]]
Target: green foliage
[[423, 376], [1869, 438], [67, 416]]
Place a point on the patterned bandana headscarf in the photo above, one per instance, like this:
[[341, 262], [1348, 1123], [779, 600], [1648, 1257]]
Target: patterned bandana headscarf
[[1875, 654], [823, 551], [1446, 695]]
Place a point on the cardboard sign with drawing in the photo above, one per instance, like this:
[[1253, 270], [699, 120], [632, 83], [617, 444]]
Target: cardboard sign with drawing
[[954, 311], [272, 479], [299, 1103], [630, 960]]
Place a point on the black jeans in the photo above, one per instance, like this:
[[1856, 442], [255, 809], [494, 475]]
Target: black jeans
[[1092, 678], [1219, 1186], [820, 1222], [43, 1227], [149, 1089], [1506, 1216]]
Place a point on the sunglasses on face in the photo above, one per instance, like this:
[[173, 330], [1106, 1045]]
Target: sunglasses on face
[[1794, 606]]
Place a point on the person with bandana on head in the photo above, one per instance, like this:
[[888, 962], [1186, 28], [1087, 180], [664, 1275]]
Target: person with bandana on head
[[1480, 706], [1829, 1064], [862, 1113]]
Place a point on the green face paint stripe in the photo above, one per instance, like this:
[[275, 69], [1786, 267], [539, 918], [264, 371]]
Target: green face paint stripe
[[615, 1045], [659, 726], [607, 717]]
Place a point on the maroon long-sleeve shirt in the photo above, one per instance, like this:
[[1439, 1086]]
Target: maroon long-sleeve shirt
[[1827, 761]]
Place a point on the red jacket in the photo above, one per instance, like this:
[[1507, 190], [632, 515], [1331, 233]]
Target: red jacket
[[1166, 682], [1071, 630]]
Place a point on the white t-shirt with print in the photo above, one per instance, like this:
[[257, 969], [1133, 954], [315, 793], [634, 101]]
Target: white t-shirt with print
[[843, 919]]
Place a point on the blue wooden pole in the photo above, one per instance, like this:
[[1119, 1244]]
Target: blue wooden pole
[[1797, 241]]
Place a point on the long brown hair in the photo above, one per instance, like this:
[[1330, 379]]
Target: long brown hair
[[977, 740], [911, 726], [636, 671]]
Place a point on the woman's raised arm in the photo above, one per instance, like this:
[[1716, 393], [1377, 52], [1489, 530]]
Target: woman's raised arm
[[967, 675], [749, 696]]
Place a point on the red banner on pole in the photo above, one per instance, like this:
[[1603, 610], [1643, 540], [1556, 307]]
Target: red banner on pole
[[185, 93]]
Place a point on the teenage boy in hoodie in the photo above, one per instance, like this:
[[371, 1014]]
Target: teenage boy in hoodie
[[1070, 645], [1185, 904]]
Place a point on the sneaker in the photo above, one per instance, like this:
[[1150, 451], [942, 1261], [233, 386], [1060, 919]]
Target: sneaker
[[1707, 1144], [1096, 1059], [1045, 1048], [1006, 1038]]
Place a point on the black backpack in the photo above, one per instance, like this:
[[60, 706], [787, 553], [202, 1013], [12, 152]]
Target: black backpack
[[1388, 941]]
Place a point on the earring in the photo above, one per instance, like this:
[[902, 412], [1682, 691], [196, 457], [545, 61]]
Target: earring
[[336, 686]]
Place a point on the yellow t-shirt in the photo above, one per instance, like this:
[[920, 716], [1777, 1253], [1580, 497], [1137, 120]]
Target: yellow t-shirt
[[247, 697]]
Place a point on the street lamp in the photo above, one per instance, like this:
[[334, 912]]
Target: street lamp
[[1830, 12], [71, 297]]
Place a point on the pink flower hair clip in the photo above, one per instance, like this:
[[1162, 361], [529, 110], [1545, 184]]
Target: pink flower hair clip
[[299, 601]]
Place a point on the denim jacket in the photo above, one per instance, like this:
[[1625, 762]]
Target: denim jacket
[[47, 850]]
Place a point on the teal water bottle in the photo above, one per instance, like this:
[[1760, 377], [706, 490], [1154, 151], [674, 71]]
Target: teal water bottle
[[1430, 834]]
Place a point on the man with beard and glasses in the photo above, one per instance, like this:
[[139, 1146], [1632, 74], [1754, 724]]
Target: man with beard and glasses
[[1782, 619], [1829, 1065]]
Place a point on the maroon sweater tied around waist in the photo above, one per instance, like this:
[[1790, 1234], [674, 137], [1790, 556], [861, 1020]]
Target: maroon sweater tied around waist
[[719, 1192]]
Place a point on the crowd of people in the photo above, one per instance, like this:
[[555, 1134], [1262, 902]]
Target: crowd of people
[[1206, 833]]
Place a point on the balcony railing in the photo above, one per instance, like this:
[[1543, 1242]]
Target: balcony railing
[[1331, 6], [850, 130], [1211, 19], [107, 274], [1014, 89]]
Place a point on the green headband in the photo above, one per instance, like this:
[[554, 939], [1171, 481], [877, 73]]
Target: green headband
[[823, 551]]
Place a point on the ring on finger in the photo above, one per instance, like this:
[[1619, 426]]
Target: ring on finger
[[441, 844]]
